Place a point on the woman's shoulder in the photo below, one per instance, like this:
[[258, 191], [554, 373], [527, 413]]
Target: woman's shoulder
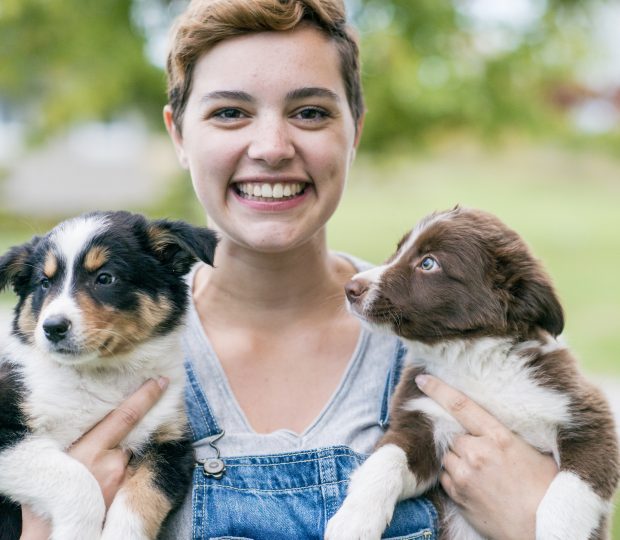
[[359, 264]]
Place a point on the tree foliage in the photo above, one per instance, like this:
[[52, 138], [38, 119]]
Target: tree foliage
[[429, 68], [71, 60], [428, 65]]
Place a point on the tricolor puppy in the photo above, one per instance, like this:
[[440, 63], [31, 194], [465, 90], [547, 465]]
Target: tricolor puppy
[[476, 309], [102, 299]]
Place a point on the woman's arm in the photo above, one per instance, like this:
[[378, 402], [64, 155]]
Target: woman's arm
[[496, 478], [98, 451]]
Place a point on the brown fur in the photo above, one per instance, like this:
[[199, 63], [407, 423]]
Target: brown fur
[[27, 322], [50, 266], [146, 500], [96, 258], [412, 430], [113, 332], [589, 446]]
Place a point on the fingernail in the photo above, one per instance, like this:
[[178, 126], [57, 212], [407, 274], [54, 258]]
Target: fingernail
[[163, 382], [421, 381]]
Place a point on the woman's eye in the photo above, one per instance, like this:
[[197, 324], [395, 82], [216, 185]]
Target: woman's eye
[[311, 113], [105, 279], [428, 264], [45, 283], [228, 114]]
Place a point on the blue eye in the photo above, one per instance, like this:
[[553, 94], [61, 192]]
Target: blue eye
[[45, 283], [429, 264]]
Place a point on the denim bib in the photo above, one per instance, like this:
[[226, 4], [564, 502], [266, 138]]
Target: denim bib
[[287, 496]]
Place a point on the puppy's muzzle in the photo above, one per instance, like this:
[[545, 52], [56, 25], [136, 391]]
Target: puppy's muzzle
[[56, 328], [355, 290]]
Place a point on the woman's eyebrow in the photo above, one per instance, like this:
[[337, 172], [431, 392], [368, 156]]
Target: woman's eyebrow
[[235, 95], [312, 91], [298, 93]]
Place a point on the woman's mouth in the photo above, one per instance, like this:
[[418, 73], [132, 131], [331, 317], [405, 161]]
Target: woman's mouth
[[264, 192]]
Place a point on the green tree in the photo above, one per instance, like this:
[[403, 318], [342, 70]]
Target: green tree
[[69, 60], [425, 66], [426, 70]]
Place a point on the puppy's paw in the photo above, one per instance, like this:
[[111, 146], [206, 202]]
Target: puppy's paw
[[85, 526], [127, 529], [357, 522], [122, 522], [80, 518]]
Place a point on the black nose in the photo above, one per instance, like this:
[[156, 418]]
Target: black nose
[[56, 328], [355, 289]]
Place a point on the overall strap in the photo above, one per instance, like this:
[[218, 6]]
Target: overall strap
[[393, 377], [202, 421]]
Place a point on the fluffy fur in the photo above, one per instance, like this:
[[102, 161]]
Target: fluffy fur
[[476, 309], [101, 302]]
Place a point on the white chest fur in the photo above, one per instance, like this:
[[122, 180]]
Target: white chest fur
[[496, 376], [62, 402]]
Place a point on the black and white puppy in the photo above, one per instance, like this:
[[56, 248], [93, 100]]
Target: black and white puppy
[[476, 309], [101, 303]]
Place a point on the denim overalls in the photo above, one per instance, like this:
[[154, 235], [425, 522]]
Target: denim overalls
[[285, 496]]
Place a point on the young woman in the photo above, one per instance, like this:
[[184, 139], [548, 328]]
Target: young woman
[[265, 110]]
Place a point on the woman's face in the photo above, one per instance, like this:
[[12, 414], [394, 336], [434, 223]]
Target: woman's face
[[268, 137]]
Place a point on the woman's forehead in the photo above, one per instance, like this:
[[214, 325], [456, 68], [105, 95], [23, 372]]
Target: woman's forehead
[[278, 62]]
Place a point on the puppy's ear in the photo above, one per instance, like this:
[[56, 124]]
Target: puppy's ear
[[15, 270], [531, 301], [180, 245]]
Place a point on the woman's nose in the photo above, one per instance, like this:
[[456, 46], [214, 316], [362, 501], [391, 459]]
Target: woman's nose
[[272, 143]]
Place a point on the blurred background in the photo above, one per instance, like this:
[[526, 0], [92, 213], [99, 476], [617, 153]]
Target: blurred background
[[510, 106]]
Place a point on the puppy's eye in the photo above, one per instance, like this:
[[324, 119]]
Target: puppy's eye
[[429, 264], [45, 283], [105, 279]]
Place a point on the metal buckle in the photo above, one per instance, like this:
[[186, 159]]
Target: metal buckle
[[214, 467]]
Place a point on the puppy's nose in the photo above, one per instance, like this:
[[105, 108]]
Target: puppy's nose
[[355, 289], [56, 328]]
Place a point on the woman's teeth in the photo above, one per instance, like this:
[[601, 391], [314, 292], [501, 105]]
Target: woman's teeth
[[270, 191]]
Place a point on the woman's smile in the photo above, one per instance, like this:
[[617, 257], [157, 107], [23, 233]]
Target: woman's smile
[[271, 196]]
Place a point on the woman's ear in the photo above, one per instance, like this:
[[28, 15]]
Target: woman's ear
[[175, 135], [359, 127]]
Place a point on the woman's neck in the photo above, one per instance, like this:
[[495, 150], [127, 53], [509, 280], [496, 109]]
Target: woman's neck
[[263, 289]]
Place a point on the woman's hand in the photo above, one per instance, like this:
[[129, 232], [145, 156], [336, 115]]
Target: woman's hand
[[98, 451], [494, 476]]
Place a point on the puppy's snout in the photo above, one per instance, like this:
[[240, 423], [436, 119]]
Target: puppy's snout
[[56, 328], [355, 289]]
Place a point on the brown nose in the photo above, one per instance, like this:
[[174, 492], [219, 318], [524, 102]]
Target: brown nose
[[355, 289]]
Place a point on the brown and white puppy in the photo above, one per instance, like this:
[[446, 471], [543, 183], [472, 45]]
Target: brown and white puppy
[[476, 309], [101, 303]]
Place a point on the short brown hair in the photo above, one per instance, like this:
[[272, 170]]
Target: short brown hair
[[207, 22]]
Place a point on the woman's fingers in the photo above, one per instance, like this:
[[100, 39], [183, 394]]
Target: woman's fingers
[[466, 412], [450, 464], [110, 431], [98, 449]]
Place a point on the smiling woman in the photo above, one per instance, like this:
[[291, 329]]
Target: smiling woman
[[284, 385]]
